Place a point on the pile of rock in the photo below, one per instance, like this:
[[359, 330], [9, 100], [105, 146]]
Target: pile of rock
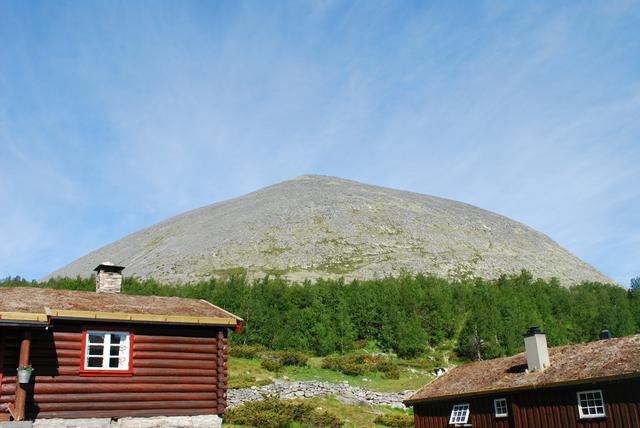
[[342, 391]]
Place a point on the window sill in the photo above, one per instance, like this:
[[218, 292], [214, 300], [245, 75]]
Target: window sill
[[591, 418], [84, 372]]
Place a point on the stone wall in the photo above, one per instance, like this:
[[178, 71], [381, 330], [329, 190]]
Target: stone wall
[[342, 391], [205, 421]]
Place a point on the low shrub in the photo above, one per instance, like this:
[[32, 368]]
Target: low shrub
[[246, 351], [359, 364], [246, 381], [394, 420], [272, 365], [294, 358], [353, 369], [347, 364], [289, 358], [264, 418], [392, 373], [322, 418], [384, 365], [275, 413]]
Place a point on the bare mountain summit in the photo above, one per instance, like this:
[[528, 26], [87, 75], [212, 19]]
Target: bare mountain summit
[[316, 226]]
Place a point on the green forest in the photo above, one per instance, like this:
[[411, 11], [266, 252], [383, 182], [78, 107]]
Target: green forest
[[408, 315]]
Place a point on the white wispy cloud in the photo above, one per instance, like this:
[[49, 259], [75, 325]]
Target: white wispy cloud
[[118, 116]]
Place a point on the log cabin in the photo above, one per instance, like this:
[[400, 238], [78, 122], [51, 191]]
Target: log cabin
[[593, 385], [107, 355]]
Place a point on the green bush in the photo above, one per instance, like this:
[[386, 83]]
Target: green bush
[[264, 418], [394, 420], [275, 361], [359, 364], [322, 418], [246, 351], [294, 358], [246, 381], [347, 364], [387, 367], [272, 365], [289, 358], [275, 413], [353, 369], [384, 365], [392, 373]]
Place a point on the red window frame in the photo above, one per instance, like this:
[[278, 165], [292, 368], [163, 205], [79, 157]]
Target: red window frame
[[92, 372]]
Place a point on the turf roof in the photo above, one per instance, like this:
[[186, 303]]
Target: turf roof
[[571, 364]]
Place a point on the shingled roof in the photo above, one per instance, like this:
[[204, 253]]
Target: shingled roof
[[572, 364], [40, 304]]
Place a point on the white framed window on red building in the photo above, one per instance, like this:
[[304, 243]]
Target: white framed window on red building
[[459, 414], [500, 407], [106, 352], [591, 404]]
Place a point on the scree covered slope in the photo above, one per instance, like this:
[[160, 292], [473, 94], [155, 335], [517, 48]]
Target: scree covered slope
[[317, 226]]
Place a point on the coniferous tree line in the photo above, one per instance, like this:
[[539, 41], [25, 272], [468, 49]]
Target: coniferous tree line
[[407, 315]]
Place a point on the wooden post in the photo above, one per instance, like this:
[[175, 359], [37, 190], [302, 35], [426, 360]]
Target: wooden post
[[21, 392]]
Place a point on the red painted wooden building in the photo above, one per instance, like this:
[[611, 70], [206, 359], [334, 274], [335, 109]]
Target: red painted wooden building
[[595, 384], [110, 355]]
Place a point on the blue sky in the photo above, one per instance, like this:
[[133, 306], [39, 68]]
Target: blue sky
[[116, 115]]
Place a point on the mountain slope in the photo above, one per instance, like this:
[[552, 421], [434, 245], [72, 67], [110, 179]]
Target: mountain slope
[[317, 226]]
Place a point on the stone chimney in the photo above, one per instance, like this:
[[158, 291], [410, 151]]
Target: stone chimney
[[535, 345], [108, 278]]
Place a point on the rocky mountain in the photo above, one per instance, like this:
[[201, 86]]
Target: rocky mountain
[[317, 226]]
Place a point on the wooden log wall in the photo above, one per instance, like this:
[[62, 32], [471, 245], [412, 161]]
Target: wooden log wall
[[558, 407], [551, 408], [176, 371], [10, 354], [481, 414]]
